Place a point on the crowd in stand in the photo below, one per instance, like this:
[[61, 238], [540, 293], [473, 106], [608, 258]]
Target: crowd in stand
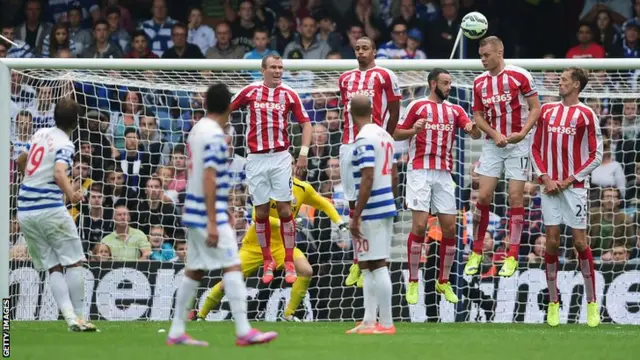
[[131, 158]]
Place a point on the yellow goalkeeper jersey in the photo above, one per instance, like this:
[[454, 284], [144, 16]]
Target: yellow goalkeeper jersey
[[303, 194]]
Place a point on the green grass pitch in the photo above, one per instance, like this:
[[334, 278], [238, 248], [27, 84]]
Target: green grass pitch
[[314, 341]]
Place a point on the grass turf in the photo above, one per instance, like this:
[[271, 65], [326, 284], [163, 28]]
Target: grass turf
[[310, 341]]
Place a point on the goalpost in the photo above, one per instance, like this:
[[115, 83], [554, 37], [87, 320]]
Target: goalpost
[[141, 289]]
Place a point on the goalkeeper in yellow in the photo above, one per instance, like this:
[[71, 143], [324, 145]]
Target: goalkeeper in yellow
[[251, 254]]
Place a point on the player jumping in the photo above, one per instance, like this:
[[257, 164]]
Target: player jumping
[[373, 165], [381, 86], [431, 125], [269, 177], [212, 241], [47, 226], [505, 107], [567, 147], [251, 257]]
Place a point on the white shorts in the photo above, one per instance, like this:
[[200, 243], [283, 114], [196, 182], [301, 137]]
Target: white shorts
[[512, 159], [52, 237], [346, 172], [431, 190], [568, 207], [376, 242], [270, 177], [202, 257]]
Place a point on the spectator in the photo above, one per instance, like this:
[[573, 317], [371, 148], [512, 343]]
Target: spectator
[[128, 116], [19, 253], [102, 48], [57, 40], [102, 150], [135, 165], [181, 49], [265, 15], [260, 48], [58, 10], [536, 256], [101, 252], [307, 44], [412, 51], [116, 191], [284, 33], [395, 48], [408, 15], [327, 31], [587, 47], [442, 32], [244, 26], [333, 122], [363, 12], [126, 21], [620, 9], [354, 32], [151, 139], [20, 49], [158, 28], [4, 50], [633, 189], [179, 163], [609, 173], [125, 242], [43, 107], [608, 225], [165, 173], [33, 30], [21, 137], [610, 34], [156, 210], [636, 18], [97, 222], [200, 34], [334, 55], [318, 104], [160, 249], [319, 153], [140, 47], [80, 181], [224, 49], [617, 255], [117, 35], [630, 120], [82, 37], [181, 251], [630, 43]]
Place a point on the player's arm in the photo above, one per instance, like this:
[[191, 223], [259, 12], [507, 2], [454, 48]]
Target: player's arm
[[465, 123], [594, 144], [409, 125], [539, 165], [365, 160], [307, 131], [394, 174], [21, 162], [239, 99], [394, 94], [528, 90], [62, 163], [214, 158], [318, 202]]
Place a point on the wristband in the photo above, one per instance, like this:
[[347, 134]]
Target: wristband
[[304, 151]]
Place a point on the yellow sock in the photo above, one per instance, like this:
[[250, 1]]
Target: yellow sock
[[212, 300], [298, 291]]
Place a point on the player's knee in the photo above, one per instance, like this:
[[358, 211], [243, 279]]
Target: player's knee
[[284, 209], [262, 211], [580, 244], [552, 244], [448, 230], [419, 229]]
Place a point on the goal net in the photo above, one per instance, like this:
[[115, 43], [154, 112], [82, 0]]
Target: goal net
[[130, 149]]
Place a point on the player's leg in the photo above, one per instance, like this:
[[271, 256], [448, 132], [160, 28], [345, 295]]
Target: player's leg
[[259, 188], [552, 233], [300, 286], [515, 221], [281, 178], [369, 301], [186, 292], [419, 192], [443, 202], [348, 183]]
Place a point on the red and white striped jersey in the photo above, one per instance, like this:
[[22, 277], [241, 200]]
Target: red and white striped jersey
[[379, 84], [567, 142], [431, 148], [502, 98], [268, 118]]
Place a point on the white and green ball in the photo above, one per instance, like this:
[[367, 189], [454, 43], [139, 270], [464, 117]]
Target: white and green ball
[[474, 25]]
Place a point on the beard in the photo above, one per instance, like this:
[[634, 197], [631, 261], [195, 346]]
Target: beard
[[440, 94]]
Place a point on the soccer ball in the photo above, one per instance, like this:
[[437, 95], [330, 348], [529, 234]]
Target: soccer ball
[[474, 25]]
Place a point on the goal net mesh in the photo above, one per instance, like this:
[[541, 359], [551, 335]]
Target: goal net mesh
[[161, 107]]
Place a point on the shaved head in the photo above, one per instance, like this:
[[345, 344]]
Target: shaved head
[[360, 106], [494, 41]]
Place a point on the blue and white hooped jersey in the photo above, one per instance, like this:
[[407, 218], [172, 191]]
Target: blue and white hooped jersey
[[206, 148], [39, 190], [374, 147]]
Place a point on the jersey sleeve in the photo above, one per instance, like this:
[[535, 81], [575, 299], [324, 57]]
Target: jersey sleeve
[[239, 99], [392, 89], [364, 155], [462, 119], [476, 103], [318, 202], [539, 166], [298, 109], [594, 144], [64, 154], [409, 116], [214, 154], [528, 85]]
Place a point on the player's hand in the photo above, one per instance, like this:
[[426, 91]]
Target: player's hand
[[551, 187], [212, 235], [468, 127], [301, 167], [419, 125], [77, 197], [354, 226], [500, 140], [344, 227], [567, 183], [515, 138]]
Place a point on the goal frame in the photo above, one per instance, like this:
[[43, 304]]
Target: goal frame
[[6, 65]]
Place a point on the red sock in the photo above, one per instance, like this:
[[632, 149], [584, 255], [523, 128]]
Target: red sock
[[447, 253], [588, 273], [355, 253], [551, 271], [414, 252], [516, 219], [263, 232], [288, 233], [480, 224]]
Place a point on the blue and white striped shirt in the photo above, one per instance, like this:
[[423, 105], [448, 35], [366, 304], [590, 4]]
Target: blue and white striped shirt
[[23, 50], [206, 148], [374, 148], [39, 190], [159, 35]]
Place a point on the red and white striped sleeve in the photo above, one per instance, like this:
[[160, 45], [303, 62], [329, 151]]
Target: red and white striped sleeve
[[392, 88], [408, 117], [538, 163], [476, 103], [594, 144], [462, 119], [297, 108], [240, 98]]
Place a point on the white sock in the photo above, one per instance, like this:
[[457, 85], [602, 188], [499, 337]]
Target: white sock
[[186, 292], [236, 292], [383, 294], [369, 293], [60, 293], [75, 283]]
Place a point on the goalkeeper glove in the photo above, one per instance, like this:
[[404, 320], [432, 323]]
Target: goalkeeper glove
[[344, 227]]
